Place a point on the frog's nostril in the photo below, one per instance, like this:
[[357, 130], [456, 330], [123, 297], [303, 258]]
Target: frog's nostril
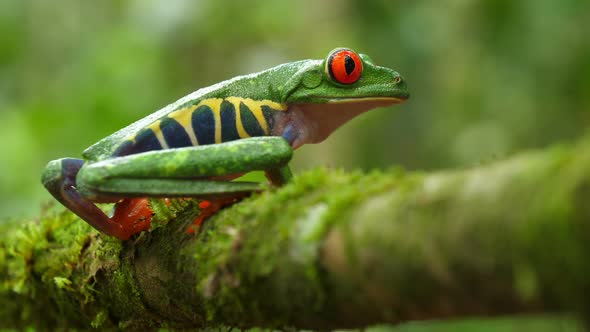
[[397, 79]]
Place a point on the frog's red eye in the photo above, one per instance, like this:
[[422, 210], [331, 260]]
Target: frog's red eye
[[344, 66]]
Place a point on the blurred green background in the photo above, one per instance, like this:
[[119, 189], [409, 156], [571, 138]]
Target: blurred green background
[[488, 78]]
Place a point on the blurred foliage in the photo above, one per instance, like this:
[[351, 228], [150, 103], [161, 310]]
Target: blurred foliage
[[502, 324], [488, 78]]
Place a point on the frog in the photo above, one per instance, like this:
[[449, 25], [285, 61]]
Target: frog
[[199, 145]]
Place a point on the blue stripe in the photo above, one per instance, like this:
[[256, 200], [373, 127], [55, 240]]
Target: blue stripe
[[174, 133], [145, 140], [251, 125], [204, 125], [269, 115], [124, 149], [229, 132]]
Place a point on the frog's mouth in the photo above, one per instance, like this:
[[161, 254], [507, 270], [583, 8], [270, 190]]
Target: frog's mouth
[[368, 101], [313, 122]]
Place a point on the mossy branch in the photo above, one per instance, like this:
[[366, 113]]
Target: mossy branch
[[330, 250]]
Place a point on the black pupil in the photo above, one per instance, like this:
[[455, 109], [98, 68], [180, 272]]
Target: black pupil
[[349, 64]]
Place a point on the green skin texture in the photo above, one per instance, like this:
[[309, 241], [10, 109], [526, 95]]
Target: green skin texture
[[188, 171]]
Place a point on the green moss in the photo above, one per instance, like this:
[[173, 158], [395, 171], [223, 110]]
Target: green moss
[[99, 320], [41, 260], [324, 196], [166, 210], [387, 245]]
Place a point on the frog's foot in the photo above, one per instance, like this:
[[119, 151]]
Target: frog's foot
[[134, 215], [59, 178], [209, 208]]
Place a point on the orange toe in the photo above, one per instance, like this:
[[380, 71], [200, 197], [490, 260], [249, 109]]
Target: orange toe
[[209, 208], [133, 214]]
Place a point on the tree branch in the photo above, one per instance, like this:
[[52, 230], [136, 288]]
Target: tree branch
[[330, 250]]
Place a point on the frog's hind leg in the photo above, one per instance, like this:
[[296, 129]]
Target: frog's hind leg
[[59, 178], [199, 171], [181, 172]]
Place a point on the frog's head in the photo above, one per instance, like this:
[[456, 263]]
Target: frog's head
[[345, 77], [324, 94]]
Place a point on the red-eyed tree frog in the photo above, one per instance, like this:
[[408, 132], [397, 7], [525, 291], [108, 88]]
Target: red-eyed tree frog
[[196, 145]]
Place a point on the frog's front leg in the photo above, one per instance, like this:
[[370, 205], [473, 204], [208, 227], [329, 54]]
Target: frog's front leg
[[182, 172], [186, 172]]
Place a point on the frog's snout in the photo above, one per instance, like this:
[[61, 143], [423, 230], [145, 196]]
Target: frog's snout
[[400, 85]]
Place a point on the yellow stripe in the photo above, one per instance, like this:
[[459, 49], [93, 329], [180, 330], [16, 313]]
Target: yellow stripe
[[184, 117], [273, 105], [255, 107], [215, 105], [155, 127], [239, 125]]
